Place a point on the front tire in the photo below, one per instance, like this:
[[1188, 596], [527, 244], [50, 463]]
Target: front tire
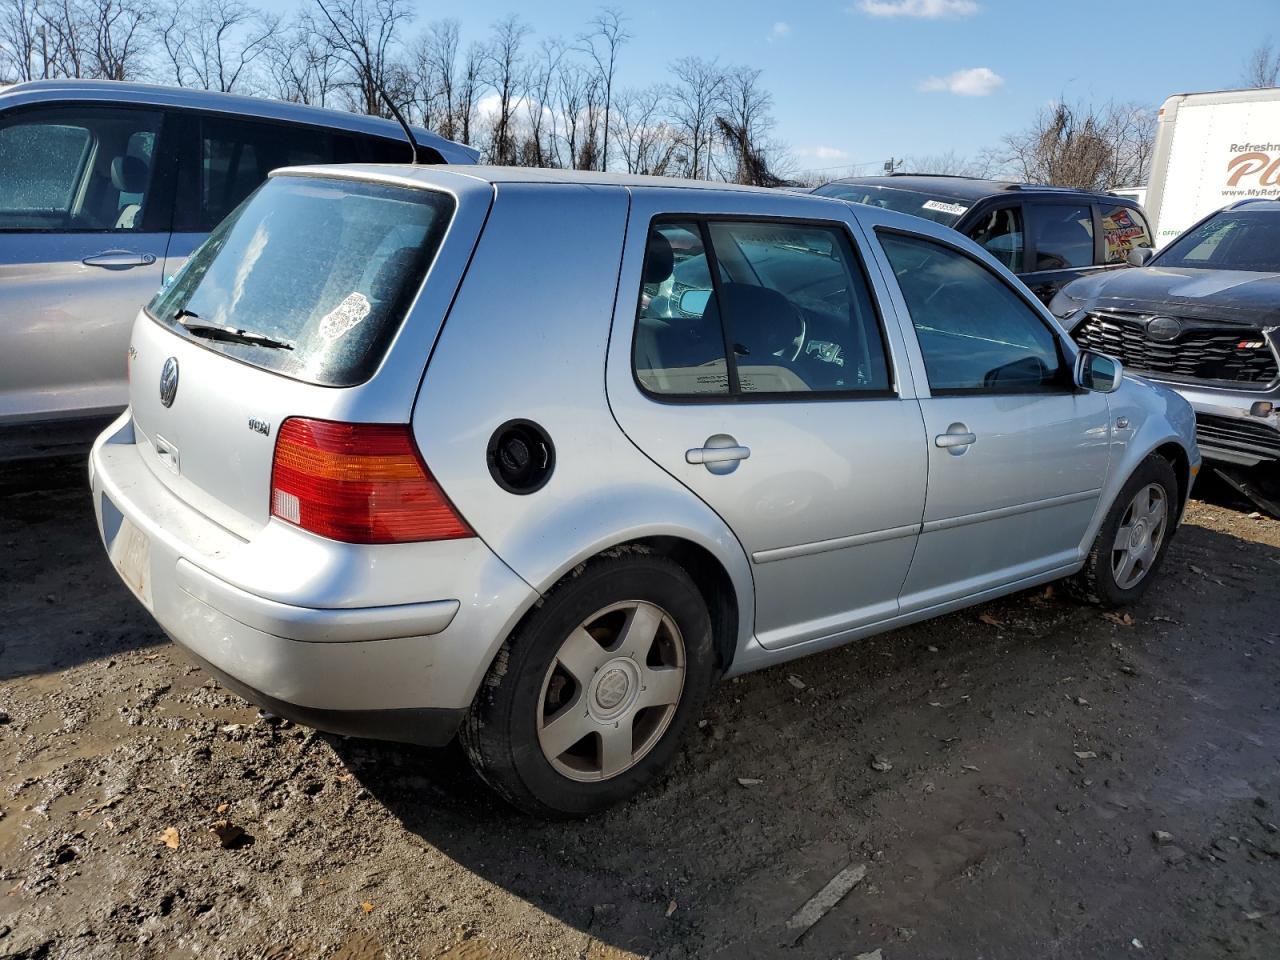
[[587, 701], [1133, 539]]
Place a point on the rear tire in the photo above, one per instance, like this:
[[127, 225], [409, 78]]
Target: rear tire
[[1133, 539], [588, 699]]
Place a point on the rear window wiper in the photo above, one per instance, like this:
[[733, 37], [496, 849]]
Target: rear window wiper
[[216, 331]]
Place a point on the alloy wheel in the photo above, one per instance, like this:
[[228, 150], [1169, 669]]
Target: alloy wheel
[[1140, 536]]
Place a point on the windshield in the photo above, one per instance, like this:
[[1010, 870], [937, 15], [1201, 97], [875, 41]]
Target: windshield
[[324, 268], [944, 210], [1231, 240]]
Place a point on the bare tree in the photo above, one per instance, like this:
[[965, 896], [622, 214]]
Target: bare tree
[[601, 44], [1262, 66], [363, 34], [538, 149], [695, 96], [744, 121], [1082, 145], [301, 62], [504, 64], [20, 40], [580, 105], [951, 164], [99, 39], [646, 138], [436, 56], [213, 43]]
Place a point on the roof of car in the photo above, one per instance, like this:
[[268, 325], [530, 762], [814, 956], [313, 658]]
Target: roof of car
[[1260, 204], [963, 188], [497, 175], [157, 95]]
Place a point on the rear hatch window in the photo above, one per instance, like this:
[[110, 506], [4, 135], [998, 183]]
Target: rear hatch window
[[309, 277]]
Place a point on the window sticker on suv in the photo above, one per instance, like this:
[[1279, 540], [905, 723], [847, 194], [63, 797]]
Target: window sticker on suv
[[940, 206]]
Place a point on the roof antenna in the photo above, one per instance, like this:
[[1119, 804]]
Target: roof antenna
[[395, 111], [404, 124]]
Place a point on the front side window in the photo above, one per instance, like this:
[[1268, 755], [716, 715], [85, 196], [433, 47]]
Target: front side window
[[320, 274], [1000, 234], [1061, 235], [1123, 228], [975, 333], [76, 168], [789, 308], [1231, 240]]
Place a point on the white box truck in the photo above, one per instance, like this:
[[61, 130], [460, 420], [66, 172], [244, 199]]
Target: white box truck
[[1212, 149]]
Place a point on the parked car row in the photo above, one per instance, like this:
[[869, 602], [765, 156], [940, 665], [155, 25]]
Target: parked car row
[[105, 189]]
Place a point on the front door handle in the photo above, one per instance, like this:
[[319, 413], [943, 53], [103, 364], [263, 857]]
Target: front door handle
[[119, 259], [720, 454], [956, 440]]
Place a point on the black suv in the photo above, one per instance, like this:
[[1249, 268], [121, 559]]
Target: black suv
[[1048, 236]]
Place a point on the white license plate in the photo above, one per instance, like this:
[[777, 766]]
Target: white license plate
[[131, 555]]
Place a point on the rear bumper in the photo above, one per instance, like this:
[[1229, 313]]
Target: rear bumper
[[277, 618]]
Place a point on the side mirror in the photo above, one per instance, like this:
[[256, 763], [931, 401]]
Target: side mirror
[[1098, 372], [694, 302], [1139, 256]]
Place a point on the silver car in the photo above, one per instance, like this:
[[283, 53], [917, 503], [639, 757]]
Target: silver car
[[105, 188], [537, 456]]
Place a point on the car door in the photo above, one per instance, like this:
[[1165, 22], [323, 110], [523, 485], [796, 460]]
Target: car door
[[1061, 244], [1017, 455], [752, 365], [85, 208]]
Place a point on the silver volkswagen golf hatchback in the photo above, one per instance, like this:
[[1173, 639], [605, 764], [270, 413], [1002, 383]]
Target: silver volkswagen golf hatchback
[[534, 457]]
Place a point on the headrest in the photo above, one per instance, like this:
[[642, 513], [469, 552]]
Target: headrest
[[659, 259], [762, 321], [129, 174]]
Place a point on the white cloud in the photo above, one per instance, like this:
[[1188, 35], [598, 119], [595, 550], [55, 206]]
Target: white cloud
[[779, 31], [827, 154], [924, 9], [974, 82]]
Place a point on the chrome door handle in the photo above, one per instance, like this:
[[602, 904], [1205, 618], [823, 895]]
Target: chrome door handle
[[720, 454], [119, 259]]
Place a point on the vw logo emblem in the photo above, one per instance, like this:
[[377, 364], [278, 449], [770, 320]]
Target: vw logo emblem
[[1163, 328], [169, 381]]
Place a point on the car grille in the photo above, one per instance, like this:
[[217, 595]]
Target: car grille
[[1244, 441], [1219, 353]]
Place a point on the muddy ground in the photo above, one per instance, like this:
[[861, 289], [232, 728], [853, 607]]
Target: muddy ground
[[1036, 748]]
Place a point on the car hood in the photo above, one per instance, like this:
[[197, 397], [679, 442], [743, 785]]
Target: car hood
[[1232, 295]]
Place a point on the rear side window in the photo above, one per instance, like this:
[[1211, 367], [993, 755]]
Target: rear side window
[[975, 334], [1061, 235], [237, 155], [326, 267], [76, 168], [1123, 228], [788, 307]]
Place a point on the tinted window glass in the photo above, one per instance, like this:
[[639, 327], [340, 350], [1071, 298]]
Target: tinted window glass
[[1000, 234], [1231, 240], [799, 314], [76, 168], [930, 206], [679, 345], [237, 155], [791, 300], [1123, 228], [327, 266], [974, 332], [1062, 235]]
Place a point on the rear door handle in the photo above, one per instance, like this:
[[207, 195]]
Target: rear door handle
[[720, 454], [119, 259]]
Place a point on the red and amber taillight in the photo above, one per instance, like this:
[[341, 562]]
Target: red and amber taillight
[[360, 483]]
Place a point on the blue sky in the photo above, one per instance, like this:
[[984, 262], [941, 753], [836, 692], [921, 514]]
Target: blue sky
[[860, 80]]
